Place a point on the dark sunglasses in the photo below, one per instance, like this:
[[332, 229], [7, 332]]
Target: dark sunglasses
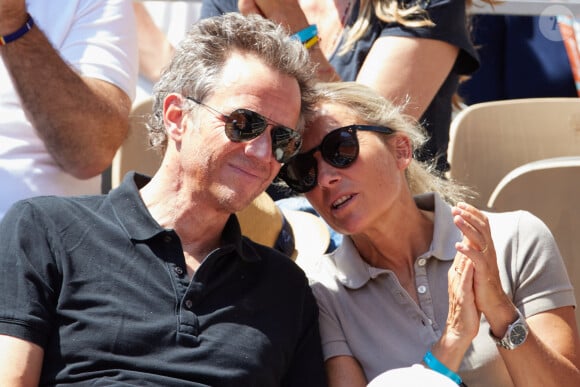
[[338, 148], [243, 125]]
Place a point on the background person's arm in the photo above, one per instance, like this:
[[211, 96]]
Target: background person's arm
[[81, 120], [401, 67], [155, 50]]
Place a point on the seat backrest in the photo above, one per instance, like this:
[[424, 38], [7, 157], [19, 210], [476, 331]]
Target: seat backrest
[[489, 139], [550, 189], [135, 153]]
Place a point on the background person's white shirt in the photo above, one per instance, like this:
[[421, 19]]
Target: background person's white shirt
[[174, 18], [26, 167]]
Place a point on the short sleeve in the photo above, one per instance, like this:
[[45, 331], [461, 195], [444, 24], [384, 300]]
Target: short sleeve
[[102, 43], [543, 283], [28, 274], [334, 342], [533, 271]]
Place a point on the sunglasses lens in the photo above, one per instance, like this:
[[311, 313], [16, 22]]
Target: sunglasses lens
[[244, 125], [340, 148], [285, 143], [300, 173]]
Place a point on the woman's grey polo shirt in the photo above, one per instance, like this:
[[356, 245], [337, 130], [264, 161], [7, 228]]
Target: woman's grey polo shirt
[[366, 313]]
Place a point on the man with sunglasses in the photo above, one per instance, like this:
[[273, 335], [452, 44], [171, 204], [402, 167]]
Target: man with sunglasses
[[153, 284]]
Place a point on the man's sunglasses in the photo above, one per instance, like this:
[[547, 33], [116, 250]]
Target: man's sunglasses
[[338, 148], [243, 125]]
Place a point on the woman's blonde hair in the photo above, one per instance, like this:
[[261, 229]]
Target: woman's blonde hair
[[373, 109]]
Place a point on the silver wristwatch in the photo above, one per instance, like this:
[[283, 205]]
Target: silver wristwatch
[[516, 333]]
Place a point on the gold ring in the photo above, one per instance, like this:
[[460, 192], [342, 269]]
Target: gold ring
[[483, 250]]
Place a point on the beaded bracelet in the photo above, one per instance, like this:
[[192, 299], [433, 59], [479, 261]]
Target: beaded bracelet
[[432, 362], [4, 40]]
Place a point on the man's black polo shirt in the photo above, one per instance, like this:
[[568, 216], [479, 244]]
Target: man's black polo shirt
[[103, 289]]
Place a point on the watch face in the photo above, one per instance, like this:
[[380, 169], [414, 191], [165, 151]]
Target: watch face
[[518, 335]]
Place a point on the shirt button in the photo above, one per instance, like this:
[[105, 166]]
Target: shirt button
[[167, 238], [178, 270], [421, 262], [422, 289], [188, 304]]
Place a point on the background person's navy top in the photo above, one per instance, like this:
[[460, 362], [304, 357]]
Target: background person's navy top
[[518, 60]]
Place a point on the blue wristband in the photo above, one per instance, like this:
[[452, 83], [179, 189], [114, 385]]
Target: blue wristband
[[4, 40], [437, 366], [306, 34]]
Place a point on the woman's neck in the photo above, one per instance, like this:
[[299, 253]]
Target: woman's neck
[[397, 241]]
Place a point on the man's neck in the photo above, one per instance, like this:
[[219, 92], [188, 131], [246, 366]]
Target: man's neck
[[198, 225]]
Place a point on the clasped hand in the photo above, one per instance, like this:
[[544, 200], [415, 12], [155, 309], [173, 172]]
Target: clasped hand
[[474, 284]]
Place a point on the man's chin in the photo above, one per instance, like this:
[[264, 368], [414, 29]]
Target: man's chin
[[234, 199]]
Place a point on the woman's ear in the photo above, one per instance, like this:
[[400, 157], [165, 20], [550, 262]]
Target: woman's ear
[[173, 116], [403, 150]]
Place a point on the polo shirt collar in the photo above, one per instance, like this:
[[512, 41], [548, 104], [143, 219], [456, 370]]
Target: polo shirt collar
[[139, 225], [353, 272]]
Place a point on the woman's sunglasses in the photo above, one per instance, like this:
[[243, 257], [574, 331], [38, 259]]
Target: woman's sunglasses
[[244, 125], [338, 148]]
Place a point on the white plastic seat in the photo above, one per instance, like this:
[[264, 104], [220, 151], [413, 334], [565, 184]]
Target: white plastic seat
[[488, 140]]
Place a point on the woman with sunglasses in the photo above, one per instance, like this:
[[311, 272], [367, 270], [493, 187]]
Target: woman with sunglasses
[[421, 276]]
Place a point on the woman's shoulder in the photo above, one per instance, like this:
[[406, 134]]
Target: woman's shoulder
[[521, 231]]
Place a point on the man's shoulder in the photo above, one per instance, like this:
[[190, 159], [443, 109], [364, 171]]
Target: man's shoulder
[[56, 207]]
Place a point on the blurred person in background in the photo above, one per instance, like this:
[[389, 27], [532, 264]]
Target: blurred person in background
[[68, 70]]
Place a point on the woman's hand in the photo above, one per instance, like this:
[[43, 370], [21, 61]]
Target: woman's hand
[[463, 317], [478, 247]]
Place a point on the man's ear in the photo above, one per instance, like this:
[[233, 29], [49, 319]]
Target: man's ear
[[403, 150], [173, 116]]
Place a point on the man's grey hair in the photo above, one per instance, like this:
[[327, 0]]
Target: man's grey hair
[[196, 67]]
